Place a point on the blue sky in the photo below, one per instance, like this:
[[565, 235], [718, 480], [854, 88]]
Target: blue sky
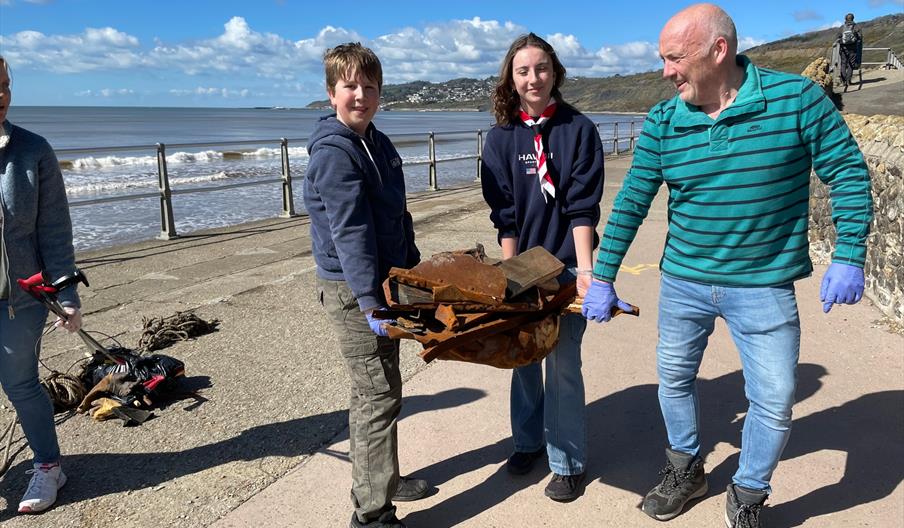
[[267, 52]]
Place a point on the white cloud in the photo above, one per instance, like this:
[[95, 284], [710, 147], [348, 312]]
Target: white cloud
[[458, 48], [106, 92], [202, 91], [880, 3], [627, 58], [241, 49], [434, 52], [93, 49], [745, 43]]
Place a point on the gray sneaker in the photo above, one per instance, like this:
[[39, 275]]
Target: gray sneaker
[[683, 479], [743, 507]]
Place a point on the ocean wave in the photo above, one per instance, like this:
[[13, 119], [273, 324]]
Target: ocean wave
[[294, 153], [104, 162], [106, 187]]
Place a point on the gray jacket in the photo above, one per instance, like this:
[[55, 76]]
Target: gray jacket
[[37, 230]]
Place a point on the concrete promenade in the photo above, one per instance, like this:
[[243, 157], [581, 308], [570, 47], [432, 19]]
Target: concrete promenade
[[269, 447]]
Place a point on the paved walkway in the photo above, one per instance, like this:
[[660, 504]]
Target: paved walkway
[[277, 393], [843, 466]]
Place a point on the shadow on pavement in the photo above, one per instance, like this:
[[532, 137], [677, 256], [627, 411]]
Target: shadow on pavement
[[869, 429], [101, 474], [627, 440], [871, 81]]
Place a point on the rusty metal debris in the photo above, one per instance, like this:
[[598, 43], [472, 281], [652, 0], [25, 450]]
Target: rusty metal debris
[[463, 306]]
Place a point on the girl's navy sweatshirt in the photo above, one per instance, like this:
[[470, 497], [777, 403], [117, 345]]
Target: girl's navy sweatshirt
[[574, 159]]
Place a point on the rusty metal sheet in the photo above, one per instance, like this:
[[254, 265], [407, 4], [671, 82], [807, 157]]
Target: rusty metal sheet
[[455, 339], [525, 344], [455, 277]]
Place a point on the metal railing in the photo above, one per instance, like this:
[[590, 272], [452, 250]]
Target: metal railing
[[165, 192], [891, 60]]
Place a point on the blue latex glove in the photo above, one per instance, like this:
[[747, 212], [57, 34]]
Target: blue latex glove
[[600, 300], [378, 326], [842, 284]]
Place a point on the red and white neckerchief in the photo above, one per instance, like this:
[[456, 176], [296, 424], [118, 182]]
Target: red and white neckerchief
[[542, 173]]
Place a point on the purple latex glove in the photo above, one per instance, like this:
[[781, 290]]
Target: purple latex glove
[[378, 326], [600, 300], [842, 284]]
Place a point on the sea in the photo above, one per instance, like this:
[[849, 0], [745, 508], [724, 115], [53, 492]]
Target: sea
[[93, 174]]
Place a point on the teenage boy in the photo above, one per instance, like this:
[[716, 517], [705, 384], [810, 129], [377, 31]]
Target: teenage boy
[[354, 192]]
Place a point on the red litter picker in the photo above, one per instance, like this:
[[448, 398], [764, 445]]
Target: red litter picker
[[40, 287]]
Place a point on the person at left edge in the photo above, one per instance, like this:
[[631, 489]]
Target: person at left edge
[[542, 177], [36, 234], [354, 192]]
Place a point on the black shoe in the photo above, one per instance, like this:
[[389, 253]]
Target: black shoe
[[521, 462], [387, 520], [410, 489], [743, 507], [683, 479], [564, 488]]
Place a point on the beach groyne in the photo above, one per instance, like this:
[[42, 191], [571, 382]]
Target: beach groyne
[[881, 140]]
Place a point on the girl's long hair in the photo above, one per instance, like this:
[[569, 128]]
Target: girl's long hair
[[506, 102]]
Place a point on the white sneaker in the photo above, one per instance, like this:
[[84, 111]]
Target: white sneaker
[[46, 479]]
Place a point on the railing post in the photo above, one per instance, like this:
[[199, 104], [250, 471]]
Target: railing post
[[288, 203], [631, 142], [835, 65], [600, 136], [431, 152], [167, 224], [615, 139], [479, 152]]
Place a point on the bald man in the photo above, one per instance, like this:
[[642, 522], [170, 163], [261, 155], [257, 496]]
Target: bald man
[[735, 147]]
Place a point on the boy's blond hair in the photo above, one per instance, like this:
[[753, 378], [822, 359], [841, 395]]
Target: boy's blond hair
[[349, 59]]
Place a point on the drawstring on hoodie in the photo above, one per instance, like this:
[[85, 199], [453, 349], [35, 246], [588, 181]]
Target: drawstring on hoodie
[[370, 156]]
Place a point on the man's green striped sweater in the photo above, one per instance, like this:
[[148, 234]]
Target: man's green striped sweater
[[739, 185]]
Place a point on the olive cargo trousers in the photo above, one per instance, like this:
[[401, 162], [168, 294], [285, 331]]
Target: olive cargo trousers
[[376, 399]]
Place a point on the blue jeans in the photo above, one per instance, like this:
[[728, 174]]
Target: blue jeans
[[765, 326], [554, 413], [19, 377]]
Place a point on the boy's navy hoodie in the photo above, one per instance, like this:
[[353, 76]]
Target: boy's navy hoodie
[[354, 192], [511, 187]]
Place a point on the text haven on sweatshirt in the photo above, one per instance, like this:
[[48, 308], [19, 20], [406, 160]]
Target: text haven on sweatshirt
[[739, 186]]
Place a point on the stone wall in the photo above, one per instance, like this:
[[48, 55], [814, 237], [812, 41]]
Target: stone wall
[[881, 140]]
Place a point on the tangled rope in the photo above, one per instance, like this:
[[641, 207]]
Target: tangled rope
[[161, 332], [65, 390], [8, 437]]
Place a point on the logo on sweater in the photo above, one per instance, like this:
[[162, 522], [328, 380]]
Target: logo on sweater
[[754, 128], [532, 158], [395, 163]]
